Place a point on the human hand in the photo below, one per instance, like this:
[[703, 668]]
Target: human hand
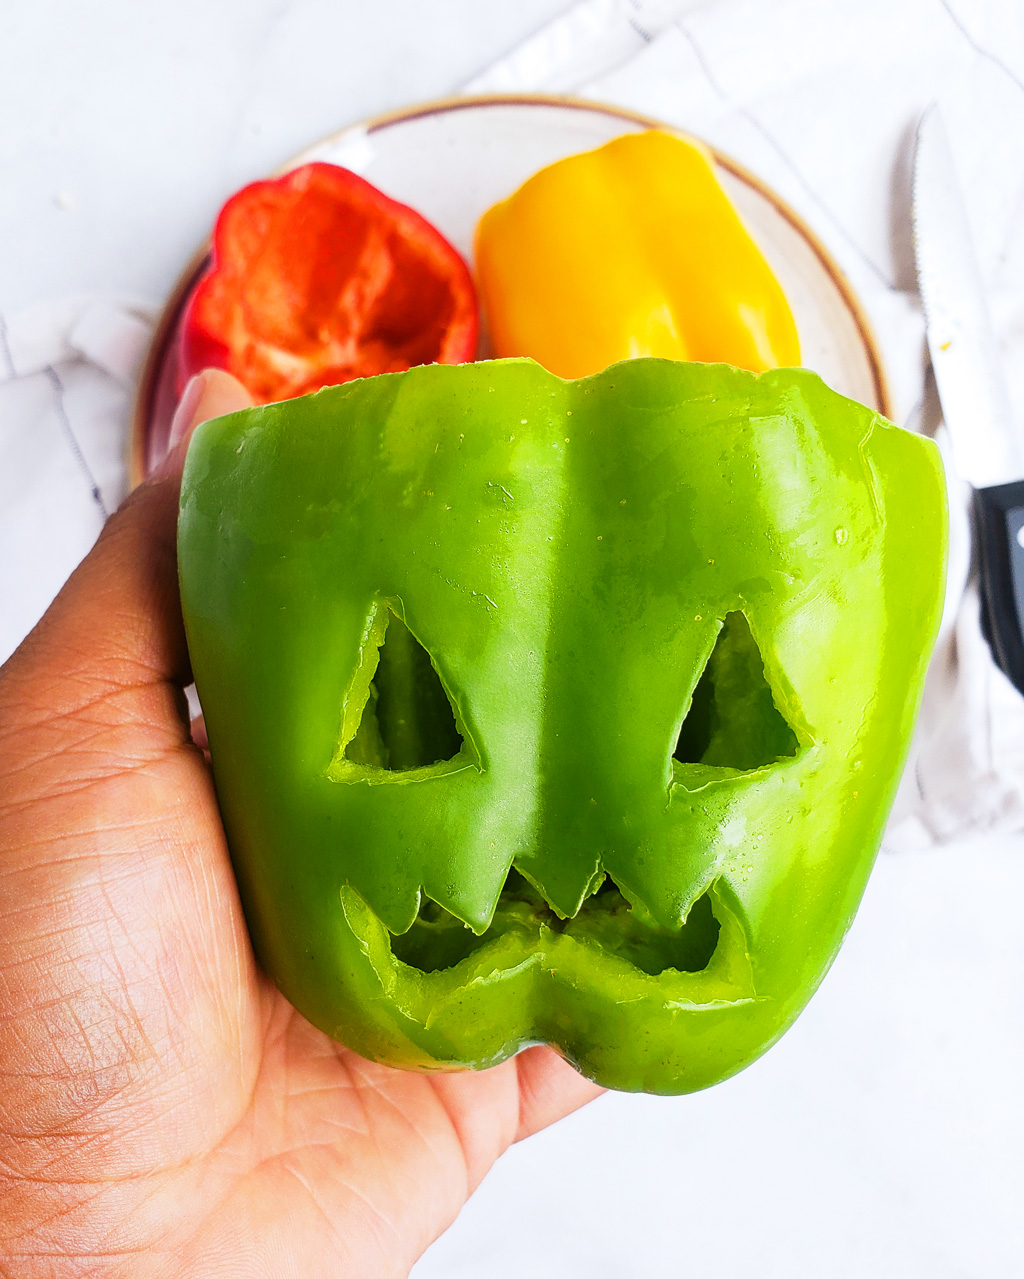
[[163, 1109]]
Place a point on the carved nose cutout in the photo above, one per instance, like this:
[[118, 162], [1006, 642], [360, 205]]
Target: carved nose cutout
[[733, 721]]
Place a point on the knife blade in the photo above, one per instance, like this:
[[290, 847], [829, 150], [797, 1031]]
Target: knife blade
[[972, 389]]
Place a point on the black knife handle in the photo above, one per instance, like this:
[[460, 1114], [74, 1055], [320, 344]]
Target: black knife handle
[[999, 521]]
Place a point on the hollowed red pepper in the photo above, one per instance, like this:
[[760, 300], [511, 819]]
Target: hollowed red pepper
[[317, 278]]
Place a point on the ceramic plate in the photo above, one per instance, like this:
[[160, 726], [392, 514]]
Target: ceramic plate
[[451, 160]]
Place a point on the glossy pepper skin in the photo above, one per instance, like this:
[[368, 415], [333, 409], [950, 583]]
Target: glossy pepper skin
[[317, 278], [629, 250], [506, 677]]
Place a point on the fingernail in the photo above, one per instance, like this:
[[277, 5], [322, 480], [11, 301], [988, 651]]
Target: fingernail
[[186, 410]]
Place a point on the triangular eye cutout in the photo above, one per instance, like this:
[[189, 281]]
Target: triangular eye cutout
[[733, 721], [407, 721]]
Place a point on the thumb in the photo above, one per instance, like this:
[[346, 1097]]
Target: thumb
[[116, 625]]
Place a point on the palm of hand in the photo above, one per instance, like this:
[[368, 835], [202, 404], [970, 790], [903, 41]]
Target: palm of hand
[[162, 1108]]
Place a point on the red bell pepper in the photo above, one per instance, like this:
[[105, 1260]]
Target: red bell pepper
[[317, 278]]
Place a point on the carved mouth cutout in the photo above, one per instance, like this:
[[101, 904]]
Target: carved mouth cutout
[[437, 940]]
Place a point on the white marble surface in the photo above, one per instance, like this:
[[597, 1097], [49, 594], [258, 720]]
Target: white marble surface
[[127, 124], [884, 1134]]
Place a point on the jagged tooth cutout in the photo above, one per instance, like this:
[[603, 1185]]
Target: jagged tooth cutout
[[733, 721], [398, 722], [606, 921]]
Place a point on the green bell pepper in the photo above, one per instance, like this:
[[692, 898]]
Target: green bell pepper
[[562, 711]]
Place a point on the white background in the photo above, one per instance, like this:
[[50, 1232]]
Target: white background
[[883, 1136]]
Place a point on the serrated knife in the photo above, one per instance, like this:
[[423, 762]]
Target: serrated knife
[[972, 390]]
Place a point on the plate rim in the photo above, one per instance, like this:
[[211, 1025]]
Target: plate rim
[[440, 106]]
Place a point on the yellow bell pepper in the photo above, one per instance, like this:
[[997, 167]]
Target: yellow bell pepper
[[632, 249]]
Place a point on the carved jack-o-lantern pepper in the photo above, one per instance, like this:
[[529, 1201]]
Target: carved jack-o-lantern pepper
[[565, 711]]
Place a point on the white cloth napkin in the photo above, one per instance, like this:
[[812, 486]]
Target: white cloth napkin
[[818, 97]]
